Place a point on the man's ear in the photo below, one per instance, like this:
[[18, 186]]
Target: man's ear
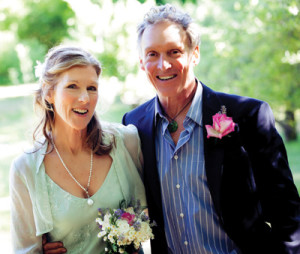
[[196, 55], [142, 64]]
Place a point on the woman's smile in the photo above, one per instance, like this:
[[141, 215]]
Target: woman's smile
[[75, 97]]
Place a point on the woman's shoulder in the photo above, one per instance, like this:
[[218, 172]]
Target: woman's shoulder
[[119, 130], [30, 157], [125, 136]]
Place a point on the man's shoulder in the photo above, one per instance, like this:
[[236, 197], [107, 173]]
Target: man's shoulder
[[232, 100], [139, 112], [146, 106]]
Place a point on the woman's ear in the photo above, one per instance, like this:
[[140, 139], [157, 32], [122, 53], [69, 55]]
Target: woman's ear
[[48, 100], [50, 96]]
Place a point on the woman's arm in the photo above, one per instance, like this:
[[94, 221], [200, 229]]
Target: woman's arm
[[23, 230], [133, 144]]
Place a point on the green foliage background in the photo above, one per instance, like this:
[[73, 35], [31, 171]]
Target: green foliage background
[[249, 47]]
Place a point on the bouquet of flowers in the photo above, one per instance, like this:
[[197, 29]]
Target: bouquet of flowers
[[124, 229]]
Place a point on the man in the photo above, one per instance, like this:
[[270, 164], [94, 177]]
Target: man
[[208, 195]]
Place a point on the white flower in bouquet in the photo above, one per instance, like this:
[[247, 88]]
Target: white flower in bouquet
[[124, 229]]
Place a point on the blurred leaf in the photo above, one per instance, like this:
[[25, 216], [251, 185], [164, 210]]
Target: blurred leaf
[[255, 37], [10, 66], [46, 21]]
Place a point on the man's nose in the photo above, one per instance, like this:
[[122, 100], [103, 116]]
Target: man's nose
[[163, 63]]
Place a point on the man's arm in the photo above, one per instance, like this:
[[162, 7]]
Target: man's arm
[[52, 247], [278, 193]]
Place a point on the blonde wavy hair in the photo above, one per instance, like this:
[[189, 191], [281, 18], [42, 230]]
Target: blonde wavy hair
[[58, 60]]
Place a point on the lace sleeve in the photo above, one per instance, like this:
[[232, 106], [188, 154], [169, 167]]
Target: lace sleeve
[[133, 144], [23, 230]]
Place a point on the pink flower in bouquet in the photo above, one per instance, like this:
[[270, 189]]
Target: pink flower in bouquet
[[129, 217], [222, 125]]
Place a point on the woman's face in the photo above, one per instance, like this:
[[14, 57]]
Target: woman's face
[[75, 97]]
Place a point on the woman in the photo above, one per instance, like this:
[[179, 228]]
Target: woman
[[76, 166]]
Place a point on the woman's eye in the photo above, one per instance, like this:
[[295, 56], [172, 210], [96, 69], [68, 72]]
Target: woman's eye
[[71, 86]]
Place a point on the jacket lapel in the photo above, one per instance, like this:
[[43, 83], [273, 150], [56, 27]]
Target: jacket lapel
[[147, 135], [213, 154]]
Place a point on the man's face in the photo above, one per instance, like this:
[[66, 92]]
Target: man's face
[[167, 59]]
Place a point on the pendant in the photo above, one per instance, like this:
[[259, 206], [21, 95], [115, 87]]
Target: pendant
[[173, 126], [90, 201]]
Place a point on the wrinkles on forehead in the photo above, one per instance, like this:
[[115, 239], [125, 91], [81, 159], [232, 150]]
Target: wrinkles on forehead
[[156, 36]]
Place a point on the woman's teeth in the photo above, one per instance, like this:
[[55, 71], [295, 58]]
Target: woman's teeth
[[80, 111]]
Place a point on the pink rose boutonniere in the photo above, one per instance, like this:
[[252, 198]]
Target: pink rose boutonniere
[[222, 125]]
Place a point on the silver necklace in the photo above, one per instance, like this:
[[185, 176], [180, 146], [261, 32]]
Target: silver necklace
[[86, 190]]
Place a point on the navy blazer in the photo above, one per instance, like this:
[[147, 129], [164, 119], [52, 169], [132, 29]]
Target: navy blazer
[[247, 173]]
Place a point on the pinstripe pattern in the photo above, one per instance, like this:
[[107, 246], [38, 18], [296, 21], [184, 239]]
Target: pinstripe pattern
[[190, 220]]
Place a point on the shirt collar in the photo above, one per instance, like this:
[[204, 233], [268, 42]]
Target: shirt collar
[[195, 111], [158, 110]]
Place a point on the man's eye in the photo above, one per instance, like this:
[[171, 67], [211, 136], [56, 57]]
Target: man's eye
[[175, 51], [151, 54]]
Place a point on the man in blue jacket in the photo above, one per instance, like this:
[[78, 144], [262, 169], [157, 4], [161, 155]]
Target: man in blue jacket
[[216, 171]]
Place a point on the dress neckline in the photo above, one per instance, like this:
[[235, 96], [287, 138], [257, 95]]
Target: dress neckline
[[108, 176]]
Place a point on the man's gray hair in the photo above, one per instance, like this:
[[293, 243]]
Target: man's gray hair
[[173, 14]]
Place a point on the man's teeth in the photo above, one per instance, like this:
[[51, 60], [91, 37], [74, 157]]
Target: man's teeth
[[166, 77], [80, 111]]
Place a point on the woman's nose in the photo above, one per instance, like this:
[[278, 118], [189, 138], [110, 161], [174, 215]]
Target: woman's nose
[[84, 96]]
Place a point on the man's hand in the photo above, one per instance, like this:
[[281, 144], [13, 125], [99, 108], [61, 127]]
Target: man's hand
[[53, 248]]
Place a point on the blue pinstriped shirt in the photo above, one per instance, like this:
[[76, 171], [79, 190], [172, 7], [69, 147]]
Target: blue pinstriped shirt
[[191, 223]]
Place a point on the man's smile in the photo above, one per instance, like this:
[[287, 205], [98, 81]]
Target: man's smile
[[166, 77]]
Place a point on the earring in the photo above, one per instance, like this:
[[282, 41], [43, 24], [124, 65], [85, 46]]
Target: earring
[[49, 106]]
